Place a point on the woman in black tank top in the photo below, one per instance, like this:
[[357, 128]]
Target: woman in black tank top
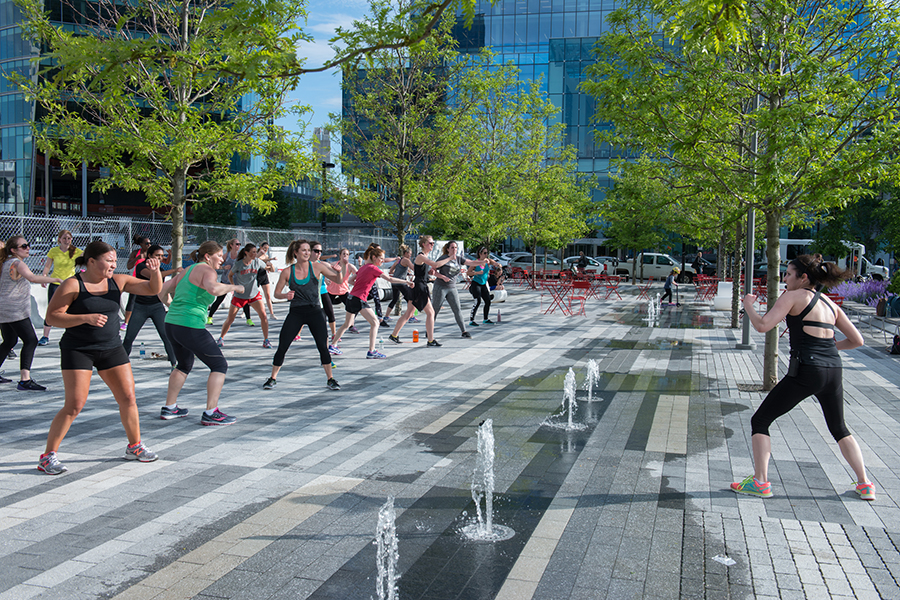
[[87, 306], [815, 367]]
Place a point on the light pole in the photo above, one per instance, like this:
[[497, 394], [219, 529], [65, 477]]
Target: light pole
[[746, 344], [325, 166]]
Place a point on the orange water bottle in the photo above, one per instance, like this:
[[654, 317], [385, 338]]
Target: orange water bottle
[[415, 336]]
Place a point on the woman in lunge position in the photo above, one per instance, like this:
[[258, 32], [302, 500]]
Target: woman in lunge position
[[61, 260], [421, 300], [815, 367], [243, 274], [479, 286], [400, 270], [362, 281], [302, 280], [87, 306], [194, 289], [232, 248], [15, 308]]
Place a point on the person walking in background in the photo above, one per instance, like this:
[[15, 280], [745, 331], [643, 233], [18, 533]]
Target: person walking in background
[[421, 299], [15, 308], [815, 367], [304, 292], [149, 307], [193, 290], [262, 277], [87, 306], [61, 259], [670, 281], [697, 265], [243, 274], [479, 286]]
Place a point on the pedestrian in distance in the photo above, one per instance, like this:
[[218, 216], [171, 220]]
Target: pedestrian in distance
[[192, 291], [243, 274], [15, 308], [87, 306], [61, 260], [302, 279], [362, 282], [815, 367]]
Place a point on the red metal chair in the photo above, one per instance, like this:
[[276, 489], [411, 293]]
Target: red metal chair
[[645, 289], [581, 291], [612, 286]]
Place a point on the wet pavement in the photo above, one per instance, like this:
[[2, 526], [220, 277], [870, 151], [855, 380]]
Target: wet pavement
[[284, 503]]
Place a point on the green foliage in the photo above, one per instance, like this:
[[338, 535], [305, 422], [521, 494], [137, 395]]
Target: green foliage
[[279, 217], [215, 212], [861, 221]]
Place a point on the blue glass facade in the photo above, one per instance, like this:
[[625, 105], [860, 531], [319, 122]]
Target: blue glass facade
[[551, 40]]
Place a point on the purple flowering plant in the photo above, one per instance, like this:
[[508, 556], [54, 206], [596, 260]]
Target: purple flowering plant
[[864, 292]]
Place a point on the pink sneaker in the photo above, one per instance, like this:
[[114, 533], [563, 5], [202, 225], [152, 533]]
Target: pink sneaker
[[753, 487]]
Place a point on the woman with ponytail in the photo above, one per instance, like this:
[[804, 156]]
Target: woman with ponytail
[[61, 259], [15, 308], [815, 367]]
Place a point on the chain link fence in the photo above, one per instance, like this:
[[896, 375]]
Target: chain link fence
[[118, 232]]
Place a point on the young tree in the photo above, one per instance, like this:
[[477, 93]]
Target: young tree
[[799, 121], [167, 95]]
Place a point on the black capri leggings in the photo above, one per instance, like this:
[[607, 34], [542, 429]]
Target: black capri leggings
[[314, 318], [337, 298], [188, 342], [12, 332], [328, 307], [480, 292], [825, 383], [51, 289], [397, 292]]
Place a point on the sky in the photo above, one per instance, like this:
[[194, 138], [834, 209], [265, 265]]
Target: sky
[[322, 91]]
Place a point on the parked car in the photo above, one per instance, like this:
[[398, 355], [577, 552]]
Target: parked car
[[524, 262], [593, 265], [611, 262], [508, 256], [654, 264], [761, 269]]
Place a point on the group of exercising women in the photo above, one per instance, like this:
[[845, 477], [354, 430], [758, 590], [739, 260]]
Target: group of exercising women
[[86, 304]]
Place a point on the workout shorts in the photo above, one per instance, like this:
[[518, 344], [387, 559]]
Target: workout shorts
[[354, 305], [88, 360], [242, 302]]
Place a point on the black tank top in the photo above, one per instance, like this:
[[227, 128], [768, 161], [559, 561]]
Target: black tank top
[[90, 337], [420, 272], [139, 299], [811, 350], [306, 291]]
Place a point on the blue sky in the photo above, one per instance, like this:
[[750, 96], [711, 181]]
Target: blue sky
[[322, 91]]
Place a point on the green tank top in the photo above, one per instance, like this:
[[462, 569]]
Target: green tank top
[[190, 303]]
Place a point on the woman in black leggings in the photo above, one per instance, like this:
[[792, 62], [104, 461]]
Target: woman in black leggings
[[815, 367], [302, 279]]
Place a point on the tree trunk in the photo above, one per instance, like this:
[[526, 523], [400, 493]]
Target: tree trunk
[[770, 358], [736, 276], [177, 216]]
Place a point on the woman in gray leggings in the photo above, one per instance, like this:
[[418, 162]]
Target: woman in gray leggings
[[445, 286]]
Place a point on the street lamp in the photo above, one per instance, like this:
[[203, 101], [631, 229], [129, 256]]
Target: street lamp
[[325, 167]]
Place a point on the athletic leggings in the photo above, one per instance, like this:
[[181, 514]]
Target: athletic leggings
[[480, 292], [449, 291], [375, 297], [51, 289], [328, 307], [314, 318], [18, 330], [156, 312], [188, 342], [218, 302], [825, 383], [398, 292]]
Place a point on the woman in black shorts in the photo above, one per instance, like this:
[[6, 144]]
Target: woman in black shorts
[[87, 306], [815, 367], [420, 299]]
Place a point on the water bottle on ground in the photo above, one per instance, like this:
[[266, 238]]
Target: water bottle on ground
[[498, 315], [381, 345], [415, 336], [143, 352]]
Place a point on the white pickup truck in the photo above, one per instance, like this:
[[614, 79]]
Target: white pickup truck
[[654, 264]]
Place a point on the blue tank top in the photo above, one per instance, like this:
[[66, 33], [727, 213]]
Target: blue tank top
[[306, 291], [481, 275]]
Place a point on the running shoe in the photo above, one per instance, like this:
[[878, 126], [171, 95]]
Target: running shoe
[[220, 342], [30, 386], [394, 339], [297, 338], [353, 329], [333, 366], [473, 324], [209, 320], [751, 486], [140, 453], [50, 464], [413, 320], [466, 334], [434, 344], [217, 418], [4, 379], [375, 354], [12, 354], [334, 350], [267, 344], [333, 384], [250, 323], [384, 323], [866, 491], [43, 341], [123, 326], [270, 383], [487, 322], [167, 412]]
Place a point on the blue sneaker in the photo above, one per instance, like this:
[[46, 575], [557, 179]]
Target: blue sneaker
[[217, 418], [353, 329], [332, 349], [43, 341], [168, 412], [375, 354]]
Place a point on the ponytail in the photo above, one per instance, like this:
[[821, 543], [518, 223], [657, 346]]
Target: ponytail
[[245, 250], [290, 257], [818, 271], [207, 247], [93, 250]]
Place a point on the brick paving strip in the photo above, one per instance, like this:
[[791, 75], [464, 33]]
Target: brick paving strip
[[283, 504]]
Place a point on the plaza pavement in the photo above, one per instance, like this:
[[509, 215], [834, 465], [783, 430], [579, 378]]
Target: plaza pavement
[[283, 504]]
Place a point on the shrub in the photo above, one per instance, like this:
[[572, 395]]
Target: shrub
[[864, 292]]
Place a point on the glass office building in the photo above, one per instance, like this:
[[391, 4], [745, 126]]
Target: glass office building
[[551, 40]]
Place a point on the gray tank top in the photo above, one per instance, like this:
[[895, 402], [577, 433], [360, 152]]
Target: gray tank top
[[15, 296], [400, 270], [306, 291]]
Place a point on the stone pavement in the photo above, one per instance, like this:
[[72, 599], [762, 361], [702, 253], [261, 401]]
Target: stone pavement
[[283, 504]]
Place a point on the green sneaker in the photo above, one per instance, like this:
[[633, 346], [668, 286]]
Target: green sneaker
[[209, 320], [753, 487], [249, 322]]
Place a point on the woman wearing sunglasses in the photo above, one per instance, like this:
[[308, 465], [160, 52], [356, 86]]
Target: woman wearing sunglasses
[[15, 308]]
